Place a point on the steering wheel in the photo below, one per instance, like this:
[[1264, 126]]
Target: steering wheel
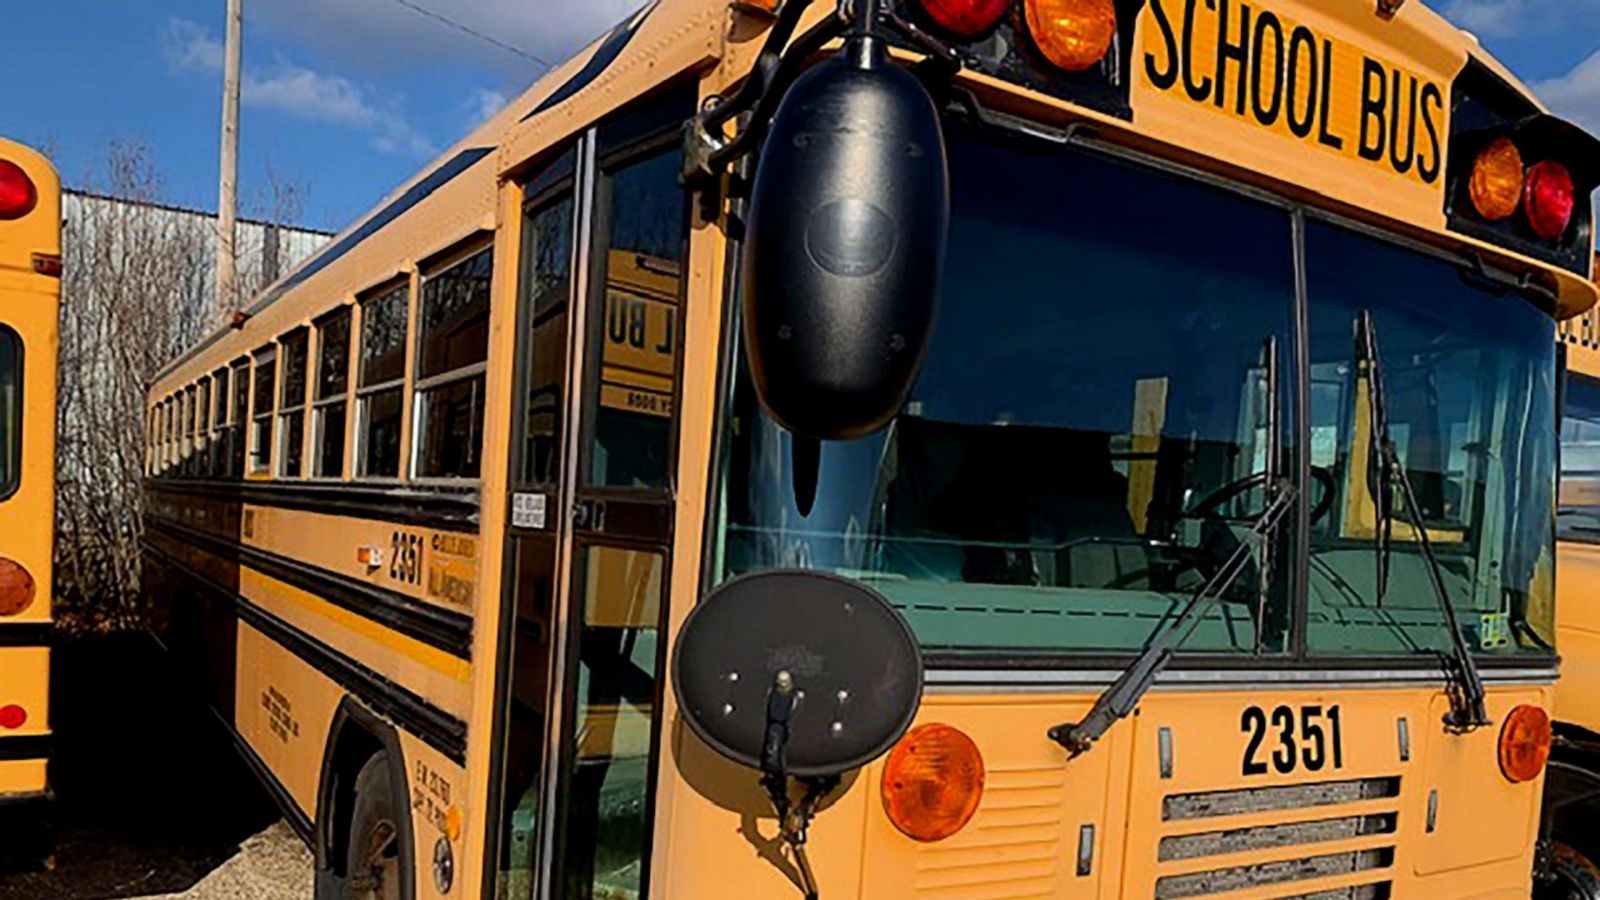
[[1207, 506]]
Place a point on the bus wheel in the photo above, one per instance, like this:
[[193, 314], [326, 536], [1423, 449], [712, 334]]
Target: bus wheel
[[1575, 876], [372, 855]]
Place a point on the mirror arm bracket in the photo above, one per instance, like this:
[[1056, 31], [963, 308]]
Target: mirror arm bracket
[[707, 152]]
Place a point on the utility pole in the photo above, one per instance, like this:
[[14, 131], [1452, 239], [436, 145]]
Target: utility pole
[[227, 202]]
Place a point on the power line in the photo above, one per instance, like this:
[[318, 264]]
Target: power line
[[465, 29]]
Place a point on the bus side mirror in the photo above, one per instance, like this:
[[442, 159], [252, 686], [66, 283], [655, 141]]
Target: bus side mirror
[[845, 244], [797, 673]]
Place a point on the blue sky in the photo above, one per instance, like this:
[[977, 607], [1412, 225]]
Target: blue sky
[[347, 98]]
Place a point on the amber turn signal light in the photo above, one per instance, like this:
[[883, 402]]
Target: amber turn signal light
[[1524, 743], [1072, 34], [1496, 185], [16, 587], [932, 782]]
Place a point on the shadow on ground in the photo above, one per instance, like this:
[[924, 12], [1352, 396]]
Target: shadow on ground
[[150, 793]]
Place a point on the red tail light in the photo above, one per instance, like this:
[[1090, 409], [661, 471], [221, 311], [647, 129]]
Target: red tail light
[[18, 196], [1550, 198], [13, 716], [966, 18]]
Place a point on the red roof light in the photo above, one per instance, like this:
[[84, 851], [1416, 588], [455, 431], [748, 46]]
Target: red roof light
[[18, 196], [1550, 198], [966, 18]]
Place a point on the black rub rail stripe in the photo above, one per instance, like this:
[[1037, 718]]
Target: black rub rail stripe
[[435, 727], [292, 813], [24, 746], [436, 627], [447, 510], [25, 634]]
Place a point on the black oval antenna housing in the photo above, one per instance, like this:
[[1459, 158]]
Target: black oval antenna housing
[[844, 246], [856, 667]]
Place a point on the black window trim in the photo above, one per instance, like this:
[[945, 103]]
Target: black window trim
[[7, 491], [1298, 655]]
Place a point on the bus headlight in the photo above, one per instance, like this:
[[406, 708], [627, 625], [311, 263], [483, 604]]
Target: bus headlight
[[1524, 743]]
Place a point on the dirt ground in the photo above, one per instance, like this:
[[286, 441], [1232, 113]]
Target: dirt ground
[[151, 796]]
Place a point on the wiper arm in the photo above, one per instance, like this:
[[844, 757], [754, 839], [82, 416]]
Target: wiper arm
[[1467, 698], [1119, 700]]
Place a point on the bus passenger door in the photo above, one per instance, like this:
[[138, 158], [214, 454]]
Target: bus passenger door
[[604, 233]]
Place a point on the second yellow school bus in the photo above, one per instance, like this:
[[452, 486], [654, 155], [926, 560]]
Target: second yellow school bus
[[1217, 488], [1571, 810], [30, 294]]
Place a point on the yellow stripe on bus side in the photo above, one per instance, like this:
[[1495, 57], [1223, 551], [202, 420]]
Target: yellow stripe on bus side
[[432, 657]]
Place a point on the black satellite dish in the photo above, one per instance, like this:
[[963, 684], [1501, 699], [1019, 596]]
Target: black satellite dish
[[825, 659]]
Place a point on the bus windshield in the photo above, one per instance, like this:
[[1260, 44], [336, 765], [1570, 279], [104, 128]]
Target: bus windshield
[[1088, 439]]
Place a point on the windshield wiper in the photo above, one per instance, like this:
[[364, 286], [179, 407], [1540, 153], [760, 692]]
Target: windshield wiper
[[1119, 700], [1466, 688]]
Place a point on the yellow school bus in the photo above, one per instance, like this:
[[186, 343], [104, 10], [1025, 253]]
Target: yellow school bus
[[30, 295], [912, 449], [1570, 808]]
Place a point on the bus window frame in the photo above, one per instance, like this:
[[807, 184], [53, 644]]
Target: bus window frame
[[258, 455], [238, 449], [361, 393], [981, 667], [287, 409], [7, 491], [202, 428], [619, 153], [318, 403], [456, 254], [220, 383]]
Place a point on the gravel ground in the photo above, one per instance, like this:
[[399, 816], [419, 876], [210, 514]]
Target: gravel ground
[[272, 865]]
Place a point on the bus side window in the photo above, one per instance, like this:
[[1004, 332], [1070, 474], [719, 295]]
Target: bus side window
[[332, 384], [380, 382], [236, 422], [261, 424], [451, 353], [10, 411], [292, 403], [640, 259]]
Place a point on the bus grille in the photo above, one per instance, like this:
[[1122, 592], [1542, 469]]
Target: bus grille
[[1292, 844]]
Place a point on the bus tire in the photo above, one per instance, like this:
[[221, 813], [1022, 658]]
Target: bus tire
[[1570, 857], [1576, 875], [375, 868]]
